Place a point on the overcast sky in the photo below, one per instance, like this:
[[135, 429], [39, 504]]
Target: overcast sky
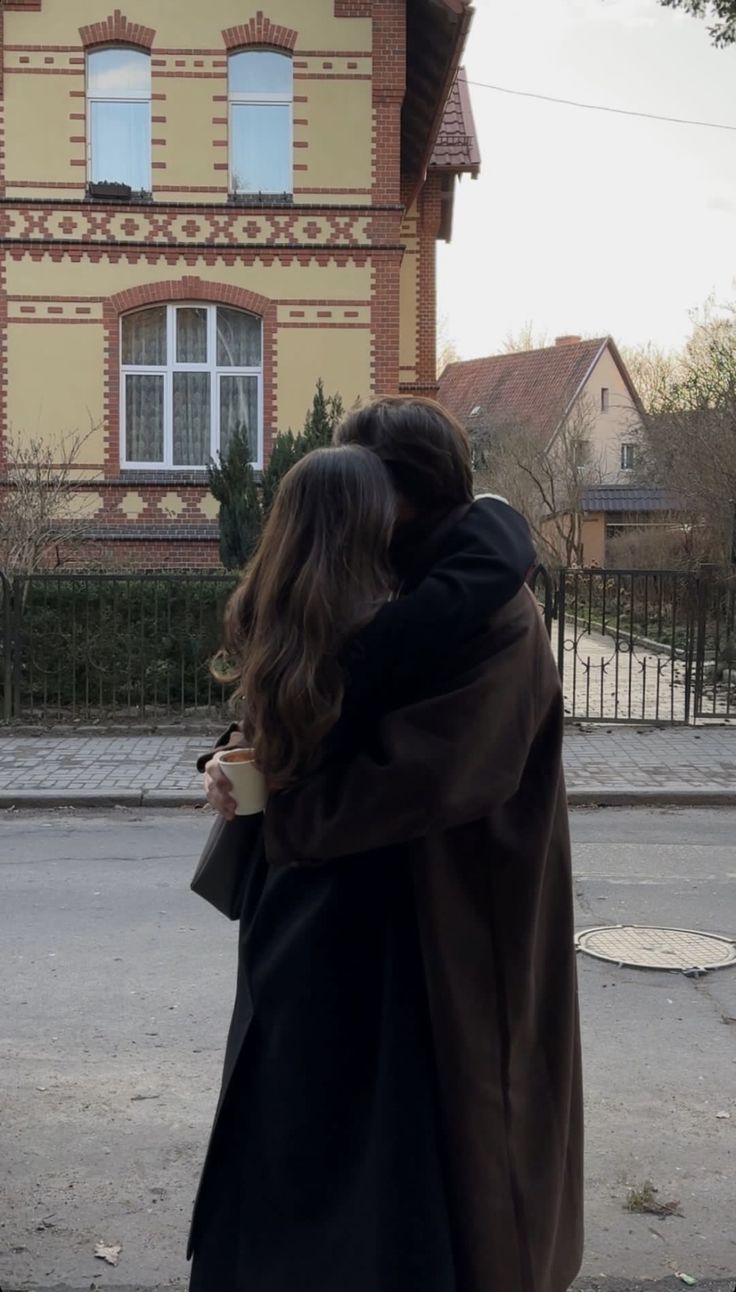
[[584, 222]]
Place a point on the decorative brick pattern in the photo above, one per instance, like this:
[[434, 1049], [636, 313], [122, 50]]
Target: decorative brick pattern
[[147, 225], [117, 30], [260, 31]]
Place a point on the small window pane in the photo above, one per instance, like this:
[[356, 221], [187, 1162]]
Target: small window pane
[[144, 418], [261, 148], [191, 336], [192, 419], [239, 408], [260, 72], [118, 73], [121, 144], [144, 338], [238, 339]]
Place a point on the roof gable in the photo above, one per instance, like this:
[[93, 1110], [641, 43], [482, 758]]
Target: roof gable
[[457, 147], [533, 388]]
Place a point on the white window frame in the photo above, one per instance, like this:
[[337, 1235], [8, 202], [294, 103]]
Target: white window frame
[[134, 96], [167, 370], [240, 98], [628, 450]]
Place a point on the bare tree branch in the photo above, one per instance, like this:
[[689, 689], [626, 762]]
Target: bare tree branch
[[41, 506]]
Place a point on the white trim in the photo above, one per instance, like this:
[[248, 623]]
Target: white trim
[[244, 99], [166, 373], [134, 96]]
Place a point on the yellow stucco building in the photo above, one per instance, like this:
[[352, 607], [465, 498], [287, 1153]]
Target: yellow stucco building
[[203, 210]]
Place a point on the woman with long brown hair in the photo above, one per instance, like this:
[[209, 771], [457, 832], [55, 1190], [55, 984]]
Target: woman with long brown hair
[[328, 1169], [323, 1172]]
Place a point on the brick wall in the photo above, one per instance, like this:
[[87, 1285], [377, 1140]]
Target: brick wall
[[190, 243]]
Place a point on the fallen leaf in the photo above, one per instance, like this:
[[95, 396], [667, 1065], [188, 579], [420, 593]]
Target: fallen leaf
[[109, 1254]]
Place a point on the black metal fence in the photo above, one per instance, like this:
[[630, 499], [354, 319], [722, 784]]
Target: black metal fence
[[641, 646], [90, 646]]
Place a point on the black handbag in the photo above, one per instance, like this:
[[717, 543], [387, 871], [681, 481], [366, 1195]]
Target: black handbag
[[222, 870]]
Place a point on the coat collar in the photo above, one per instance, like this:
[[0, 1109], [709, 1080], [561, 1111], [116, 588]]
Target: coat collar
[[417, 545]]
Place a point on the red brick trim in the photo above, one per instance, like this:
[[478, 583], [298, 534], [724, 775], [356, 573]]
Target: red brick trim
[[3, 364], [260, 31], [389, 88], [385, 322], [353, 8], [188, 288], [117, 30], [23, 6], [194, 289], [430, 218]]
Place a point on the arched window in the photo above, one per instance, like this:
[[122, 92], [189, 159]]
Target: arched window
[[119, 117], [261, 97], [191, 375]]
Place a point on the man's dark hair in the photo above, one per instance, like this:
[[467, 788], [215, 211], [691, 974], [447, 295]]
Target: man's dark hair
[[425, 450]]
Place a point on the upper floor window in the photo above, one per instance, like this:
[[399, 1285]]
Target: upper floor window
[[119, 114], [191, 375], [628, 454], [261, 96], [605, 399]]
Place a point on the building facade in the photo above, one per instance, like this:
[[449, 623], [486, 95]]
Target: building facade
[[203, 210]]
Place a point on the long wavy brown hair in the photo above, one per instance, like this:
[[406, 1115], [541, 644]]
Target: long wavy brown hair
[[321, 571]]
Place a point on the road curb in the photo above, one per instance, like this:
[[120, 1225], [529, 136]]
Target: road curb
[[681, 796], [678, 796]]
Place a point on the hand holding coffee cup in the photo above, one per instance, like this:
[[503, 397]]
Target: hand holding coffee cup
[[233, 784]]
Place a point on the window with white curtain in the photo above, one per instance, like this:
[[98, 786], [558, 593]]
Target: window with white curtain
[[261, 97], [191, 376], [119, 118]]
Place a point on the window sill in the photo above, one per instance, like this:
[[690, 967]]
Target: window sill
[[260, 199], [117, 193]]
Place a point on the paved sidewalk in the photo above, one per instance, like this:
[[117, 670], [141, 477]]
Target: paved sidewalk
[[616, 765]]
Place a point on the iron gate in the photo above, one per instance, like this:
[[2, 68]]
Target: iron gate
[[637, 646]]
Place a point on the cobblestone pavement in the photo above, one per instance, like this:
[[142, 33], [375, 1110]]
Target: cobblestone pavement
[[140, 768]]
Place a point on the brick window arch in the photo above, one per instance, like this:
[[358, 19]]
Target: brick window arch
[[260, 31], [117, 30], [185, 365]]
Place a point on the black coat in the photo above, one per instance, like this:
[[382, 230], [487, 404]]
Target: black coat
[[326, 1171]]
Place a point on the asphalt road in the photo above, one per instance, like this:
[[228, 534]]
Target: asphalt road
[[117, 990]]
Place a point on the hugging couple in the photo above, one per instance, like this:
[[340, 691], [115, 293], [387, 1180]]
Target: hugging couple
[[401, 1102]]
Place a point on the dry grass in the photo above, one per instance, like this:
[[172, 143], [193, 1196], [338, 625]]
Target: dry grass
[[642, 1199]]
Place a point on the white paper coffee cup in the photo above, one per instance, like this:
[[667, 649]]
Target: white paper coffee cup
[[248, 784]]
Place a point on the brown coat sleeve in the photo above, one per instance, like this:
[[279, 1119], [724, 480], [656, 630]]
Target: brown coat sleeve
[[445, 761]]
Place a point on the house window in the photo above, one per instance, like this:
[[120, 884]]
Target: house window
[[119, 116], [582, 453], [605, 399], [191, 375], [627, 457], [261, 95]]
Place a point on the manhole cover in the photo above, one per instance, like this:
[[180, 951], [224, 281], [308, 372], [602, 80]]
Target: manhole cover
[[647, 948]]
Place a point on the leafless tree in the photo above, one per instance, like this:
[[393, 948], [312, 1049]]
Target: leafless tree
[[688, 439], [527, 338], [546, 481], [41, 506], [447, 351]]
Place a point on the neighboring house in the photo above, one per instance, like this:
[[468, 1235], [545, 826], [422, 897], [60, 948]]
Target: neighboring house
[[536, 393], [539, 390], [203, 209], [625, 512]]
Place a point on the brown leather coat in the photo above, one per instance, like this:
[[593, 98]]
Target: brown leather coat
[[468, 786]]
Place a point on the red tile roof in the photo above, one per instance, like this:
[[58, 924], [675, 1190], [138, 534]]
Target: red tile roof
[[457, 142], [533, 388]]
